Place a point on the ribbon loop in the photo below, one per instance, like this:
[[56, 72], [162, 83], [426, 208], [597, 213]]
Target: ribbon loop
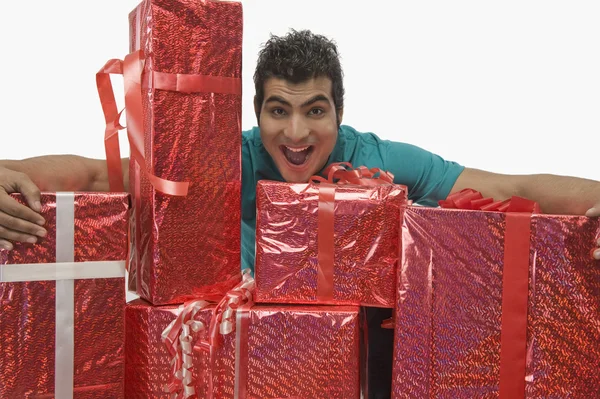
[[178, 336], [473, 200], [178, 340], [131, 68], [345, 173]]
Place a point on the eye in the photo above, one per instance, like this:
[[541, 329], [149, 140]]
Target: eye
[[278, 111], [316, 111]]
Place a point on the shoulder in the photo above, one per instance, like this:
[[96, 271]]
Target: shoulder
[[251, 137], [350, 134], [428, 176], [368, 139], [370, 147]]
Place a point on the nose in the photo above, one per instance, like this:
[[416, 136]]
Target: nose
[[297, 130]]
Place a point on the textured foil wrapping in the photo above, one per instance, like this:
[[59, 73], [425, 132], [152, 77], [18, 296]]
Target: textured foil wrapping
[[366, 243], [293, 352], [27, 315], [188, 246], [296, 352], [148, 368], [448, 318]]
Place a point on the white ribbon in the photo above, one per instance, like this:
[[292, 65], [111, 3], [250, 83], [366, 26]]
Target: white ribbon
[[183, 351], [64, 272], [65, 298], [25, 272]]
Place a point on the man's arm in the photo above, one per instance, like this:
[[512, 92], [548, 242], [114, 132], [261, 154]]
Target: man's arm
[[562, 195], [66, 172], [45, 173]]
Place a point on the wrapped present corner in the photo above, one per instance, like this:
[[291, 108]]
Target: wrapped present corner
[[497, 300], [62, 301], [333, 241], [183, 105], [237, 349]]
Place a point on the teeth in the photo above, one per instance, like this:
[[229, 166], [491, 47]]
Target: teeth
[[297, 149]]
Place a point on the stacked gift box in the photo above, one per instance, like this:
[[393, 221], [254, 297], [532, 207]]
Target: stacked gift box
[[490, 298], [62, 301]]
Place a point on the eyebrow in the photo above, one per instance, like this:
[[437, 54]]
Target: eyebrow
[[318, 97]]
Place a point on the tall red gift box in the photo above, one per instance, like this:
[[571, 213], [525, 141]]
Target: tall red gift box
[[183, 105], [279, 352], [497, 304], [62, 301], [348, 256]]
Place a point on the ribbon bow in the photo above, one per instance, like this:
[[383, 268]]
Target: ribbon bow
[[223, 318], [345, 173], [178, 339], [474, 200], [178, 335]]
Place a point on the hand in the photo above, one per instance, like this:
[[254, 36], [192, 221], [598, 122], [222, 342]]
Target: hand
[[19, 222], [595, 212]]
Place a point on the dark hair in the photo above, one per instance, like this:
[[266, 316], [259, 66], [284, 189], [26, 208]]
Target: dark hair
[[297, 57]]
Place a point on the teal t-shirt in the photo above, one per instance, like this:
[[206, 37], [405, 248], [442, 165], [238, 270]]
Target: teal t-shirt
[[429, 177]]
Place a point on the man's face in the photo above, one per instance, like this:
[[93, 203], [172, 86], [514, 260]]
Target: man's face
[[298, 126]]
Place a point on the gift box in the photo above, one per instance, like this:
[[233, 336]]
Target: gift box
[[237, 349], [62, 300], [292, 351], [329, 243], [148, 363], [183, 106], [503, 302]]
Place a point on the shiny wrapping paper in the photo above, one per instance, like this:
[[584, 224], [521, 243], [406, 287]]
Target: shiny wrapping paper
[[365, 238], [449, 313], [187, 246], [296, 351], [292, 352], [148, 367], [28, 312]]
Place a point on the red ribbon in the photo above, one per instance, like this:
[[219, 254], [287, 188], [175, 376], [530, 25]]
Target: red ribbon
[[474, 200], [132, 68], [515, 282], [337, 174]]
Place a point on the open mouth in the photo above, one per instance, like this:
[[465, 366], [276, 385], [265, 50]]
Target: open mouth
[[297, 156]]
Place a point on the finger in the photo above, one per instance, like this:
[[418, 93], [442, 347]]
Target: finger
[[593, 212], [21, 225], [12, 207], [597, 254], [31, 192], [6, 245], [16, 236]]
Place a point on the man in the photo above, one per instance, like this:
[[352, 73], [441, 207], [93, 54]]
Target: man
[[299, 106]]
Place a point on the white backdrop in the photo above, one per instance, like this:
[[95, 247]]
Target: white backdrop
[[507, 86]]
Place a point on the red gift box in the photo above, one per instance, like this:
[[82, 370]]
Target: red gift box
[[61, 320], [329, 243], [497, 303], [183, 105], [245, 351], [148, 368]]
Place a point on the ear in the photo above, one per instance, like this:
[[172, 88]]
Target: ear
[[340, 116], [257, 108]]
